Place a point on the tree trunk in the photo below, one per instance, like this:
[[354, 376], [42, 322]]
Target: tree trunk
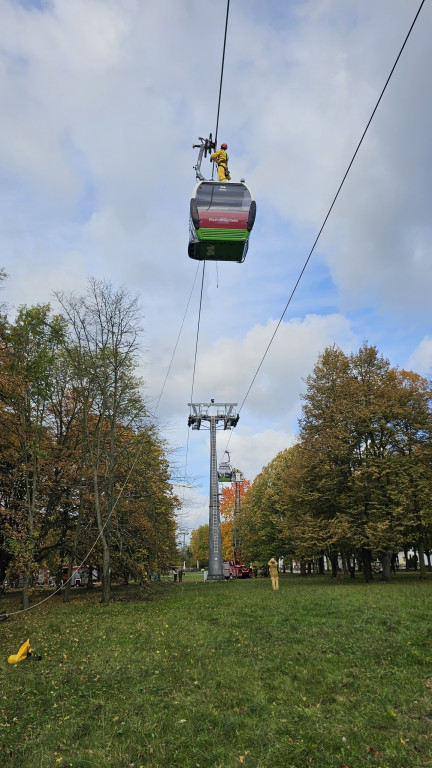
[[386, 564], [104, 536], [367, 564], [72, 556], [90, 584], [421, 554], [334, 564], [67, 589], [321, 564], [106, 572], [302, 568], [25, 602]]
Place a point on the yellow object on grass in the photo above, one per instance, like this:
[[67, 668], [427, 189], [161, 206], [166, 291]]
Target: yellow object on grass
[[23, 652]]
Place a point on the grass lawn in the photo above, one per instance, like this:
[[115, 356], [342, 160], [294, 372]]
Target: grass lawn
[[193, 675]]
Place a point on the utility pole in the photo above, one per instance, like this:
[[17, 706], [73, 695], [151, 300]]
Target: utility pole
[[214, 414]]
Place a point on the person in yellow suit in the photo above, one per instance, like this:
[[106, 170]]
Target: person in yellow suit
[[274, 573], [221, 157]]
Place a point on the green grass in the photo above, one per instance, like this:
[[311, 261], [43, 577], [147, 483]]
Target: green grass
[[227, 674]]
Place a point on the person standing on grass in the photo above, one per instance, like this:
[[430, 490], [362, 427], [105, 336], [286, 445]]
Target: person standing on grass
[[274, 573], [180, 575]]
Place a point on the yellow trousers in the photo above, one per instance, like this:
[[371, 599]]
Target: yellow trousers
[[223, 174], [275, 581]]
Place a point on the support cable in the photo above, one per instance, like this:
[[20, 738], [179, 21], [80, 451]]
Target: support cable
[[193, 378], [176, 344], [197, 333], [331, 206], [328, 212], [221, 78], [222, 71]]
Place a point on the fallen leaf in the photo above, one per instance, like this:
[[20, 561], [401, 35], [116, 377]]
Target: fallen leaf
[[373, 751]]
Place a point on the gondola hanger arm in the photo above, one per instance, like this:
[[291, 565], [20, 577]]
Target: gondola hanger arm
[[205, 146]]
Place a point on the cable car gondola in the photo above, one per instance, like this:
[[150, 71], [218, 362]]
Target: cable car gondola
[[225, 471], [222, 215]]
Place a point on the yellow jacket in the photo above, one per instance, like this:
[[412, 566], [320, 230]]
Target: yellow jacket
[[272, 564], [23, 652], [220, 157]]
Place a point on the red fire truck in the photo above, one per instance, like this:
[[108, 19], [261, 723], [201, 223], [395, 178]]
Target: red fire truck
[[234, 569]]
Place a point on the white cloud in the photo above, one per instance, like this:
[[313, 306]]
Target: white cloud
[[252, 451], [194, 511], [421, 359], [225, 368]]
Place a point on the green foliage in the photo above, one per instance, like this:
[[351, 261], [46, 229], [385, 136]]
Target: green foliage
[[199, 545], [263, 511], [359, 480], [80, 456]]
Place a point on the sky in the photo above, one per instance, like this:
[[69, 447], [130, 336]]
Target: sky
[[100, 103]]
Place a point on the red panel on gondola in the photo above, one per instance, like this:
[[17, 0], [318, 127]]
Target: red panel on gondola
[[223, 219]]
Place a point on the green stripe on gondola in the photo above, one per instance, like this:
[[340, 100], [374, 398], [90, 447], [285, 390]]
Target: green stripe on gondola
[[222, 234]]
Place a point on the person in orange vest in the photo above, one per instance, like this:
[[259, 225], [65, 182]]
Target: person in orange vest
[[274, 573], [221, 157]]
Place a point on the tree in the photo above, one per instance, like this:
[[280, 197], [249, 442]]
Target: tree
[[143, 523], [357, 485], [103, 345], [230, 526], [33, 341], [79, 454], [199, 544], [11, 485], [263, 511], [412, 461], [348, 487]]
